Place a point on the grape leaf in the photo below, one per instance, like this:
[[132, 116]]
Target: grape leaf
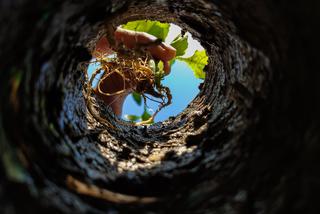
[[180, 43], [137, 98], [197, 62], [155, 28]]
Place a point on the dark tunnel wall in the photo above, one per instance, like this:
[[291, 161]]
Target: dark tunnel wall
[[249, 143]]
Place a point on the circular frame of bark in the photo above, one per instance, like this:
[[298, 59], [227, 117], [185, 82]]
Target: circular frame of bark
[[177, 163]]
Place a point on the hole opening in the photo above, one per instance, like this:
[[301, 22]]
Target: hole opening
[[149, 71]]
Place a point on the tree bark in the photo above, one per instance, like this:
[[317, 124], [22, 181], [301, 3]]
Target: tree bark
[[248, 143]]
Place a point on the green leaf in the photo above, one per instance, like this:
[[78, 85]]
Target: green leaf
[[160, 66], [172, 62], [137, 98], [155, 28], [197, 62], [152, 65], [159, 72], [180, 43], [133, 118], [146, 116]]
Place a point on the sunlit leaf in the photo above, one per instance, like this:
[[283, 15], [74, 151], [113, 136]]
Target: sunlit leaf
[[155, 28], [197, 62], [133, 118], [146, 116], [159, 72], [152, 65], [160, 66], [180, 43], [171, 62], [137, 98]]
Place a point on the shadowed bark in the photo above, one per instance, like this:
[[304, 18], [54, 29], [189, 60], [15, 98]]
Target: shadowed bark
[[248, 143]]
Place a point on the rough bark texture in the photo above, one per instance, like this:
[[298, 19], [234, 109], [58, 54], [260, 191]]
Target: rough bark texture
[[247, 144]]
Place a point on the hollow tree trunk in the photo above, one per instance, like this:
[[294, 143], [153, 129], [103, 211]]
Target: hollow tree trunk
[[246, 144]]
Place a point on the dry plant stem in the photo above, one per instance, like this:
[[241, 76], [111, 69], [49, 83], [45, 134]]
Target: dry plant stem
[[89, 102]]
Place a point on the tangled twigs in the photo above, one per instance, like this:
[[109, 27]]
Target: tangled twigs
[[136, 76]]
